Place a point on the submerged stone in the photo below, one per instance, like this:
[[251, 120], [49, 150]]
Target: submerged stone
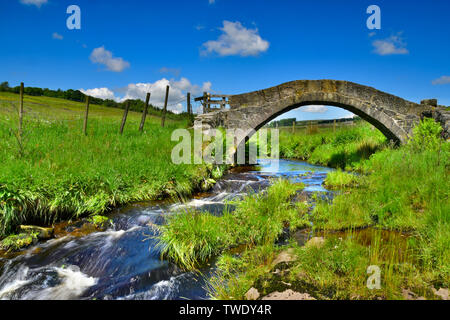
[[42, 233], [100, 222], [16, 242]]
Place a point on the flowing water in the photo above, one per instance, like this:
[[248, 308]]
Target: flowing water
[[122, 262]]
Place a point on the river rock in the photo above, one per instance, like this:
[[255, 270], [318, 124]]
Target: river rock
[[409, 295], [288, 295], [42, 233], [252, 294], [317, 242], [17, 242], [285, 257], [442, 293]]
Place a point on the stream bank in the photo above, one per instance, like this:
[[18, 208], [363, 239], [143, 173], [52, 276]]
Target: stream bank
[[122, 262]]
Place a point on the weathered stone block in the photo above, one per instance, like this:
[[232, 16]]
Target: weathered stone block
[[429, 102]]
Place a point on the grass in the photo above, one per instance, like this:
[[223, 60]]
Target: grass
[[336, 270], [62, 174], [346, 148], [48, 109], [404, 189], [340, 179], [395, 215], [193, 238]]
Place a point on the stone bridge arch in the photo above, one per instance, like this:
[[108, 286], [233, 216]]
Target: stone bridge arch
[[392, 115]]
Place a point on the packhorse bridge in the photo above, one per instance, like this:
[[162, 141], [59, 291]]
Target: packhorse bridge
[[393, 116]]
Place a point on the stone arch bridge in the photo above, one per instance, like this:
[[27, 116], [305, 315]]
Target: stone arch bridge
[[393, 116]]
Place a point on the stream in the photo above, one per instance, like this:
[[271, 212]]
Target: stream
[[122, 262]]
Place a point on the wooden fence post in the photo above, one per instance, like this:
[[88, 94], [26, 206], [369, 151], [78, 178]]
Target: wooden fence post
[[124, 119], [163, 119], [189, 103], [293, 127], [334, 125], [21, 111], [88, 98], [144, 112], [205, 99]]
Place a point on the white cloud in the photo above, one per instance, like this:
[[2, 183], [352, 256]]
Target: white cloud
[[102, 56], [349, 116], [177, 92], [212, 1], [392, 45], [314, 109], [37, 3], [441, 80], [206, 86], [178, 108], [236, 40], [57, 36], [102, 93]]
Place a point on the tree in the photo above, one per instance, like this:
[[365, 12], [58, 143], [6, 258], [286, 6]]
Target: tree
[[4, 86]]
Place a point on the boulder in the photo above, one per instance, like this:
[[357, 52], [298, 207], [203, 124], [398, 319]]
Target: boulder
[[409, 295], [285, 256], [442, 293], [317, 242], [17, 242], [252, 294], [288, 295]]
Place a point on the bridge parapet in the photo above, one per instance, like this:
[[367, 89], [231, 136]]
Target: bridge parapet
[[392, 115]]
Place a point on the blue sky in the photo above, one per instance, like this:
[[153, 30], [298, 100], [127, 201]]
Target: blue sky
[[125, 48]]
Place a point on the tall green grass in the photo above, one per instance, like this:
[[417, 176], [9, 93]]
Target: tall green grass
[[192, 238], [335, 270], [403, 189], [345, 148], [340, 179], [63, 174], [401, 192]]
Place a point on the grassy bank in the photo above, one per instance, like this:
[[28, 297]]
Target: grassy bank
[[404, 189], [335, 269], [192, 238], [395, 216], [346, 147], [58, 173]]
